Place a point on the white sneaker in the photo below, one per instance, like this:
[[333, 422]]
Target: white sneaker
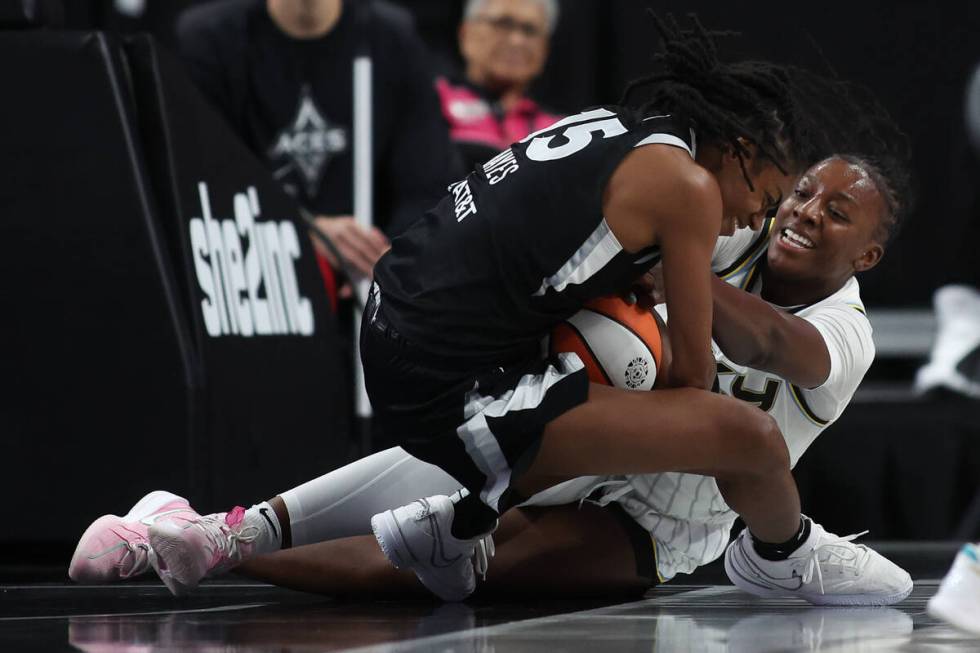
[[958, 599], [825, 570], [207, 546], [419, 537]]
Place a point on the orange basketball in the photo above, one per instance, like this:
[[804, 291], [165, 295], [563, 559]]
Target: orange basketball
[[620, 344]]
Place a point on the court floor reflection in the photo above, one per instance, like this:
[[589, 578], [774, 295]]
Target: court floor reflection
[[251, 618]]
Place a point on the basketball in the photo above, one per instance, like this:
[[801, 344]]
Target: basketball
[[620, 344]]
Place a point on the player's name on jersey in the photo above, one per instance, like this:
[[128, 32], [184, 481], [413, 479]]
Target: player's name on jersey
[[463, 199], [246, 270], [500, 166]]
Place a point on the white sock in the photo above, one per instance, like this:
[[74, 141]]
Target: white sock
[[342, 502], [263, 517]]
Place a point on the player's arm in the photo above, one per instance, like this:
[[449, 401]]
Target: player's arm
[[678, 207], [752, 333]]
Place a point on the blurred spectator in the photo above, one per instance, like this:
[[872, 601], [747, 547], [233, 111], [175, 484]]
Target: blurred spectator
[[281, 73], [504, 44]]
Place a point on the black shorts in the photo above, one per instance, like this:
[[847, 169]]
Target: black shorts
[[481, 426]]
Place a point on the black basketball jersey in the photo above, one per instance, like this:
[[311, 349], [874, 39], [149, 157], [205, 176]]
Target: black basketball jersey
[[521, 243]]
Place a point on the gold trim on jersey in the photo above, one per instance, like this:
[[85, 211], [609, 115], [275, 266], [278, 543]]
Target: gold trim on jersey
[[750, 255], [858, 308], [656, 561], [751, 277], [804, 407]]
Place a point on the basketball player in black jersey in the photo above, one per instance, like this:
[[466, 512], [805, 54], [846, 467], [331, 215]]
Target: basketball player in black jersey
[[577, 211], [451, 333]]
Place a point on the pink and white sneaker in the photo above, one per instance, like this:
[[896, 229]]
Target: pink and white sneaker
[[210, 545], [116, 548]]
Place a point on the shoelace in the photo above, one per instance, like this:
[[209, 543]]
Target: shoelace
[[224, 541], [139, 554], [421, 511], [812, 561]]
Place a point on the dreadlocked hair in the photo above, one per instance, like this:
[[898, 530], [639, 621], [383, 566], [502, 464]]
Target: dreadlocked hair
[[792, 116]]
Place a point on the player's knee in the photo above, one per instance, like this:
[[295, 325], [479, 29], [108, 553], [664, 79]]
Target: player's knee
[[764, 447], [776, 454]]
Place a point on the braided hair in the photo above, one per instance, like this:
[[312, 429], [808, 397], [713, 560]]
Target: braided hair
[[792, 116]]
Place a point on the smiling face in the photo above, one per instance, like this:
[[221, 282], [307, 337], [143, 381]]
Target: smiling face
[[828, 228]]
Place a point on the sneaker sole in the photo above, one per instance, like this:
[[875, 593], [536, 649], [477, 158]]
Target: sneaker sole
[[392, 543], [170, 545], [175, 586], [385, 530], [752, 587]]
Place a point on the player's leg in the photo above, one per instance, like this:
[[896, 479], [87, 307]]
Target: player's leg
[[338, 504], [351, 566], [571, 550], [556, 550], [780, 553], [681, 430], [586, 430]]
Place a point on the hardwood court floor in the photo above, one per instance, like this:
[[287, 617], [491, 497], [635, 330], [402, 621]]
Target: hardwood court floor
[[244, 617]]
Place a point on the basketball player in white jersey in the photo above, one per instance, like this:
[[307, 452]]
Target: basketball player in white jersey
[[685, 513], [804, 262]]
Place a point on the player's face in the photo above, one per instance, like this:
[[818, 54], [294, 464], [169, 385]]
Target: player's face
[[826, 228], [745, 207], [506, 43]]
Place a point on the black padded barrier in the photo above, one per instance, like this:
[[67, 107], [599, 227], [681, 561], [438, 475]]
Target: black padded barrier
[[277, 400], [98, 401], [166, 325]]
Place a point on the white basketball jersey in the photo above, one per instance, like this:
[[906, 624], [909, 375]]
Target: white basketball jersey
[[685, 513]]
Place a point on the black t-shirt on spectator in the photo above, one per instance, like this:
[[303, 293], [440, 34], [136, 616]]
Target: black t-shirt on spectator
[[292, 102]]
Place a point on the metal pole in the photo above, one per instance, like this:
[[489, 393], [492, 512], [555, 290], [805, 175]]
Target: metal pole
[[364, 215]]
